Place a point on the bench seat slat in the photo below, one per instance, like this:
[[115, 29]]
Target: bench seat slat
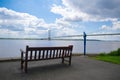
[[35, 54], [41, 54]]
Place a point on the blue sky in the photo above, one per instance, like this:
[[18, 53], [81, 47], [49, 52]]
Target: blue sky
[[34, 18]]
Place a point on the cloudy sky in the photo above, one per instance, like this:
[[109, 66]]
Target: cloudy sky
[[34, 18]]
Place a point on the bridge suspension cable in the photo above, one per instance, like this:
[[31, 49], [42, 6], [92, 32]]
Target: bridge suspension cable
[[107, 34]]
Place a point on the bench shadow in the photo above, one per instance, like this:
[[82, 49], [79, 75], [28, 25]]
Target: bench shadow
[[47, 68]]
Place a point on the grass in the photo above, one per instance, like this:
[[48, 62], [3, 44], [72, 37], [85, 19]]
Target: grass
[[113, 56], [112, 59]]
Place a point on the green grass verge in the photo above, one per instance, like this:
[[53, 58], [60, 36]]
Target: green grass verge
[[112, 59]]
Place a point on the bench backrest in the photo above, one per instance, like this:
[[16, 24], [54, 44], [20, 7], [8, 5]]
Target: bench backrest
[[37, 53]]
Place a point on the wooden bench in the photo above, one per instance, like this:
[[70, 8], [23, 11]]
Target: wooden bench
[[45, 53]]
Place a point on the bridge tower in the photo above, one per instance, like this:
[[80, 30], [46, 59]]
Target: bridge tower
[[49, 34]]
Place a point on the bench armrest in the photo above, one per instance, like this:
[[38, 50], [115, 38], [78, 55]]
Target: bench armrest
[[22, 53]]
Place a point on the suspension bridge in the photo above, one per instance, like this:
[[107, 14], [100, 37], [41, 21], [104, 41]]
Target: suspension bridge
[[108, 34], [84, 35], [67, 37]]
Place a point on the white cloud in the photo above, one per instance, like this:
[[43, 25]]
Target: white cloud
[[62, 22], [102, 8], [66, 31], [5, 33], [69, 14], [14, 23], [10, 14], [115, 26], [104, 27], [80, 10], [71, 11], [95, 11]]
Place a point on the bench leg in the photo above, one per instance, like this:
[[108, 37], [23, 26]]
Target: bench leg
[[62, 60], [22, 64], [69, 60], [26, 64]]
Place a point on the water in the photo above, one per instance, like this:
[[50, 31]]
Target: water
[[11, 48]]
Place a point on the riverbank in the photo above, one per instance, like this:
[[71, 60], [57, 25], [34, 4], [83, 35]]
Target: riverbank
[[18, 58]]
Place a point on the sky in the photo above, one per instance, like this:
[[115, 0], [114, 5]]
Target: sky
[[34, 18]]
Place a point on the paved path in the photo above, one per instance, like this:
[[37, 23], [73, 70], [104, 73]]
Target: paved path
[[82, 68]]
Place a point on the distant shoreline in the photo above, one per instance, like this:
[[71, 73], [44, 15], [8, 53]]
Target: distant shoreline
[[46, 39], [54, 39], [24, 38]]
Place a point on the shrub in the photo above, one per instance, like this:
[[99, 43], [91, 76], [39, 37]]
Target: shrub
[[115, 53], [112, 53], [118, 51], [102, 54]]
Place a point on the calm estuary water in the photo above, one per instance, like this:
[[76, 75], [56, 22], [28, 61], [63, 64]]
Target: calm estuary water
[[11, 48]]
